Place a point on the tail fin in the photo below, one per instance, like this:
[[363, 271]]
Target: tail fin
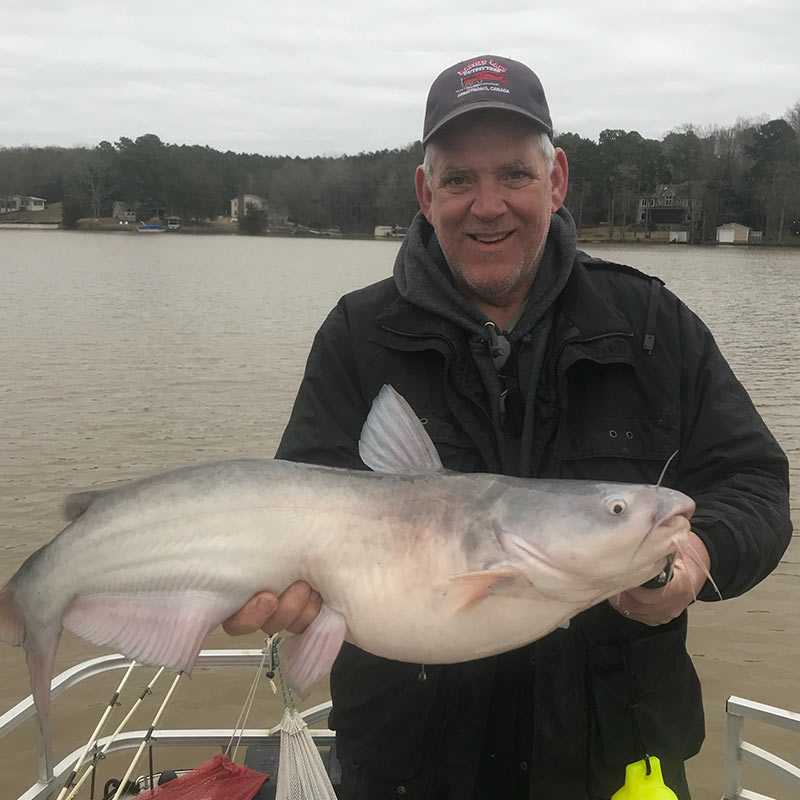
[[40, 652], [12, 628]]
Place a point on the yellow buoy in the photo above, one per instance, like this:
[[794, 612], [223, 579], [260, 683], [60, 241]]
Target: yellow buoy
[[641, 786]]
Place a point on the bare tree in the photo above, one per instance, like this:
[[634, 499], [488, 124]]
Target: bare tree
[[792, 116]]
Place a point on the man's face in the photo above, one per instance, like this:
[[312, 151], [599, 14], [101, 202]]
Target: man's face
[[490, 201]]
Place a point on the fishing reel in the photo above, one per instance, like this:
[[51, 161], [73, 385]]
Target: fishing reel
[[663, 577]]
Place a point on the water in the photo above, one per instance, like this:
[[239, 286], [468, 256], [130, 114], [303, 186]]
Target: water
[[121, 355]]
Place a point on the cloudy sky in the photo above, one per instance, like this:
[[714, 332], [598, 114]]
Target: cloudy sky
[[307, 77]]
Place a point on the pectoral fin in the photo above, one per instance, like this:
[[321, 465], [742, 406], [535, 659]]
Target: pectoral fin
[[466, 590], [310, 655]]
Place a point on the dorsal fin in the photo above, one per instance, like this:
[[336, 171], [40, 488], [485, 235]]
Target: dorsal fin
[[393, 439], [76, 503]]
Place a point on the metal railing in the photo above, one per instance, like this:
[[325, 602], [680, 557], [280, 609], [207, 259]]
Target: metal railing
[[738, 751], [52, 778]]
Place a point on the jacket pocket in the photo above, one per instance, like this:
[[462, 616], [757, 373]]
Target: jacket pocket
[[456, 450], [616, 448], [357, 784], [617, 436], [644, 695]]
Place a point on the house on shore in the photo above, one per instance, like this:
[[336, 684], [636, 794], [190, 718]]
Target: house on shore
[[10, 203], [122, 212], [670, 205], [241, 201], [18, 202], [734, 233]]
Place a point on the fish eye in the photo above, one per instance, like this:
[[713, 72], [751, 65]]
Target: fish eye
[[616, 506]]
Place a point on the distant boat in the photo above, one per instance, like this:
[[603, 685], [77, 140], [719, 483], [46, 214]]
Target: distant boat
[[151, 229], [390, 232]]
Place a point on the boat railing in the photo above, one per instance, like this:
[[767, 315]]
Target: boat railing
[[739, 751], [51, 778]]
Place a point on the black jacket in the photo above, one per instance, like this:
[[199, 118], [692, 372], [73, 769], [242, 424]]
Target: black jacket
[[630, 376]]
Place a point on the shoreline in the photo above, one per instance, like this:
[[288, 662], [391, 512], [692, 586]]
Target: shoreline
[[199, 230]]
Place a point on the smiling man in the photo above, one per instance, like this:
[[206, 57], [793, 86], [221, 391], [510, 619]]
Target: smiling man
[[488, 187], [525, 356]]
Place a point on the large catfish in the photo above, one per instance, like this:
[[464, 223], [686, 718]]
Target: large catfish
[[414, 562]]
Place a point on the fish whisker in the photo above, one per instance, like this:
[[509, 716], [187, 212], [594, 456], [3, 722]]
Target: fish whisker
[[691, 553], [664, 471]]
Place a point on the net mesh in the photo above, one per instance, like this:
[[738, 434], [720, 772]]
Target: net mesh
[[217, 779], [301, 773]]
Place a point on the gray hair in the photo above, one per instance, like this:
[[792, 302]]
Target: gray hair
[[542, 141]]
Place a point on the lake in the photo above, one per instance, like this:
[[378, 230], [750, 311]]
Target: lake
[[121, 355]]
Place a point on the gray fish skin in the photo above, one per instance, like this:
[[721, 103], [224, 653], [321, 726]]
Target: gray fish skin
[[434, 567]]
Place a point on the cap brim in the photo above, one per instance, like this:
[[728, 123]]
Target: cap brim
[[465, 109]]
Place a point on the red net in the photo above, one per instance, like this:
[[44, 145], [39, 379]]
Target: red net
[[217, 779]]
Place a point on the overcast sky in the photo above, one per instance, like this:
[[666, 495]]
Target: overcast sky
[[307, 77]]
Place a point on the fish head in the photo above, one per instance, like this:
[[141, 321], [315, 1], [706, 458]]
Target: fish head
[[580, 541]]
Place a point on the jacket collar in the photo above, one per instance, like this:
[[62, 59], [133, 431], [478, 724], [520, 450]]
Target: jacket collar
[[581, 306], [589, 312], [409, 320]]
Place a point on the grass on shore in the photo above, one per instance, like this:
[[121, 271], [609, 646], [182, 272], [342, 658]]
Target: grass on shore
[[600, 234], [49, 215]]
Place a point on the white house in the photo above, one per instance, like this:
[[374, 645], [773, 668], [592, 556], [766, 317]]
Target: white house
[[35, 203], [10, 203], [120, 210], [240, 202], [733, 233], [18, 202]]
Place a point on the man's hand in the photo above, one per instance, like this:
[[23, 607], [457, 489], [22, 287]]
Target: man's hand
[[294, 611], [659, 606]]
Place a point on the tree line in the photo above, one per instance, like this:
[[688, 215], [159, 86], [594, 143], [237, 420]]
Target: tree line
[[747, 173]]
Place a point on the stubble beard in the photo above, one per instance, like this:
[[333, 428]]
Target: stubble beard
[[486, 287]]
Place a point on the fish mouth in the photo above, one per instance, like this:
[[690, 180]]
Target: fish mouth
[[684, 511], [668, 510]]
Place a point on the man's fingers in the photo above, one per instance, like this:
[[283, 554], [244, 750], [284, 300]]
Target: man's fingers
[[252, 616], [291, 606], [307, 615], [655, 606], [294, 610]]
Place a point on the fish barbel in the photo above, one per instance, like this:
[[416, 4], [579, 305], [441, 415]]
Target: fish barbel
[[413, 562]]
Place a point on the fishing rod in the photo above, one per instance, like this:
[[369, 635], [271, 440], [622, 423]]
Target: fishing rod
[[146, 738], [90, 769], [99, 727]]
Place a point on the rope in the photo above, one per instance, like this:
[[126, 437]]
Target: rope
[[241, 722], [286, 689]]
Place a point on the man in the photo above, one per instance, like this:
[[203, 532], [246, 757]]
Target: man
[[526, 357]]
